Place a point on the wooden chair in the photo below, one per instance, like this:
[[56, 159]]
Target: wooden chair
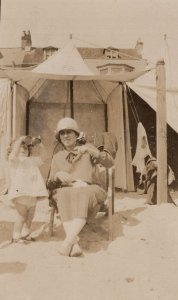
[[109, 203]]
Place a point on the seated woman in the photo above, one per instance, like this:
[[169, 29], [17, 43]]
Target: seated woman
[[149, 177], [78, 194]]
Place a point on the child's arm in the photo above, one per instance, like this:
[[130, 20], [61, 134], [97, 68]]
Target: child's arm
[[39, 153], [15, 148]]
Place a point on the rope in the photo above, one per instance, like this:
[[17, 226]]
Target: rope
[[112, 91], [171, 38], [132, 106], [103, 89], [170, 67], [98, 93]]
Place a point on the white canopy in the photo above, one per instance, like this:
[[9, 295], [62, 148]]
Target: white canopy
[[67, 61]]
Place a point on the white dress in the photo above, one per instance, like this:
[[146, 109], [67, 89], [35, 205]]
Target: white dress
[[25, 178]]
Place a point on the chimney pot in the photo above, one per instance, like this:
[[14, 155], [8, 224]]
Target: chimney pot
[[139, 46], [26, 42]]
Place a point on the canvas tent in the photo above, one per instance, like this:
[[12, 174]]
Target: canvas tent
[[67, 64], [13, 100], [59, 71]]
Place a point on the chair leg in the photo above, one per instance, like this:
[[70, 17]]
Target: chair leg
[[51, 220], [110, 202], [113, 189]]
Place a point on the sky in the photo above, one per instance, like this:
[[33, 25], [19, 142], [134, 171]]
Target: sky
[[101, 23]]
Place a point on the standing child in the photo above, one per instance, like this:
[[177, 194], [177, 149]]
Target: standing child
[[26, 184]]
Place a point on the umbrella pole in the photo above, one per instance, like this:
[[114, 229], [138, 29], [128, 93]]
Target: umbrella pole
[[71, 99], [106, 116]]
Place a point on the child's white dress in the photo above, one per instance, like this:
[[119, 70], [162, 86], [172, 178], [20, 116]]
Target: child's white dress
[[25, 178]]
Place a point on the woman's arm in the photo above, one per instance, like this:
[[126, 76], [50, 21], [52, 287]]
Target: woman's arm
[[101, 157], [105, 159], [53, 169]]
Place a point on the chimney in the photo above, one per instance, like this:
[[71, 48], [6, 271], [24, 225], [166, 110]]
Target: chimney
[[26, 42], [139, 46], [23, 39]]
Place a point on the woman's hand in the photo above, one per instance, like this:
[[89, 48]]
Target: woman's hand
[[92, 150], [63, 176]]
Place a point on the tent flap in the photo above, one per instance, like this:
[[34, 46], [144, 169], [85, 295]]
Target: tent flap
[[148, 94]]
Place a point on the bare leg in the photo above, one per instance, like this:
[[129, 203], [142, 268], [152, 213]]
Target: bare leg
[[28, 222], [21, 212], [72, 229]]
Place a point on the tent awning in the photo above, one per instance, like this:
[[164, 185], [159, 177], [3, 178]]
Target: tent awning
[[149, 95], [20, 75]]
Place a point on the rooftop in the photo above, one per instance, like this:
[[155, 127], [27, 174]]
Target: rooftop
[[18, 57]]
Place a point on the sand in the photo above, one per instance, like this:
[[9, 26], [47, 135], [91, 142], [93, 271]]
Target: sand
[[141, 263]]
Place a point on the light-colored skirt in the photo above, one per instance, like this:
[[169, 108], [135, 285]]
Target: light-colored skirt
[[78, 202]]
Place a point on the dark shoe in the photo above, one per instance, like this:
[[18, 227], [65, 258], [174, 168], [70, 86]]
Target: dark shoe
[[28, 238]]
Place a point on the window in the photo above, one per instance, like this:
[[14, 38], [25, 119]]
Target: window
[[111, 54], [49, 51]]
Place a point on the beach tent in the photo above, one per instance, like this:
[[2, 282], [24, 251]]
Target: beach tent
[[13, 98], [67, 66]]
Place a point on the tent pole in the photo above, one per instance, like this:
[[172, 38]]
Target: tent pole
[[129, 168], [14, 115], [71, 99], [9, 114], [106, 116], [161, 133]]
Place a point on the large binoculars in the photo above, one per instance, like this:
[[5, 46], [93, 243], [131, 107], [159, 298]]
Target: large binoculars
[[54, 184], [30, 141]]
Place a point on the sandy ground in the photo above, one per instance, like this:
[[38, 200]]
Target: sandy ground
[[141, 263]]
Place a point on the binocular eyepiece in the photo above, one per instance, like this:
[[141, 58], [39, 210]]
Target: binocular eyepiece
[[30, 141]]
